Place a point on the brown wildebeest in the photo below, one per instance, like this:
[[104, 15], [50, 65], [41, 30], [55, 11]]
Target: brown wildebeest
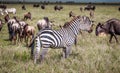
[[9, 24], [35, 5], [119, 9], [43, 7], [3, 6], [44, 23], [29, 33], [58, 8], [91, 14], [6, 18], [71, 14], [81, 9], [90, 7], [112, 27], [27, 16], [15, 32], [23, 7], [21, 30]]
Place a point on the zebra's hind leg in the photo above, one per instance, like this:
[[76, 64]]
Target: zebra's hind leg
[[43, 53], [66, 51]]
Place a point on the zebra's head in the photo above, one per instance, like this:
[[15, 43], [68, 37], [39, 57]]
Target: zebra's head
[[85, 23]]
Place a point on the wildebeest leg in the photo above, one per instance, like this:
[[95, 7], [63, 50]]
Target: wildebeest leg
[[115, 38], [111, 36], [66, 51], [43, 53]]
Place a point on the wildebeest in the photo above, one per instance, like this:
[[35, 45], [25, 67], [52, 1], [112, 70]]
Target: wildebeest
[[10, 10], [91, 14], [1, 24], [44, 23], [112, 27], [22, 24], [3, 6], [71, 14], [118, 8], [27, 16], [6, 18], [9, 24], [29, 33], [81, 9], [43, 7], [23, 7], [35, 5], [90, 7], [15, 32], [58, 7]]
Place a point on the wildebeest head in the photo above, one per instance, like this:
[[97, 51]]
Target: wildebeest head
[[71, 14], [99, 29], [6, 18], [42, 6]]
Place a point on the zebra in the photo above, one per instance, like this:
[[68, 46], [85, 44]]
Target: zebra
[[61, 38]]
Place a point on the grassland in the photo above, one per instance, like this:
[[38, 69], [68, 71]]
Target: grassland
[[92, 55]]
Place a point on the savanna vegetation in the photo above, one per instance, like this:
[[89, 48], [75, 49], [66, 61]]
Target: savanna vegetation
[[92, 55]]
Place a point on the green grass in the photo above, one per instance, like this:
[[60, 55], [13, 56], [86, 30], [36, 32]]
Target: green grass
[[92, 55]]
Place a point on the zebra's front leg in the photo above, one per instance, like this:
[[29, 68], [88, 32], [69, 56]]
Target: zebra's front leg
[[43, 53], [66, 51]]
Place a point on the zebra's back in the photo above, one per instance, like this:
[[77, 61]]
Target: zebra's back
[[50, 38]]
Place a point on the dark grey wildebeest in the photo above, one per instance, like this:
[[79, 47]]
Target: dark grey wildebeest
[[112, 27]]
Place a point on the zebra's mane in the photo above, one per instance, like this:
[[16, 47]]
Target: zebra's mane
[[67, 24]]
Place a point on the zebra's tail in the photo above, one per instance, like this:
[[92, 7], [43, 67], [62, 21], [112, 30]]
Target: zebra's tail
[[38, 46], [37, 51]]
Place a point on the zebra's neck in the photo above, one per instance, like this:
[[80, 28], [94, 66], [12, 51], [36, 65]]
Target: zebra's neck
[[74, 26]]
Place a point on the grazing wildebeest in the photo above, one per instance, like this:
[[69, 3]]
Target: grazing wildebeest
[[91, 14], [27, 16], [21, 30], [58, 7], [29, 33], [35, 5], [71, 14], [9, 24], [1, 24], [118, 8], [81, 9], [3, 6], [90, 7], [23, 7], [62, 38], [10, 10], [112, 27], [43, 7], [6, 18], [15, 32], [44, 23]]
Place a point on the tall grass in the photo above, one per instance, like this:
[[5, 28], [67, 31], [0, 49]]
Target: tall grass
[[92, 54]]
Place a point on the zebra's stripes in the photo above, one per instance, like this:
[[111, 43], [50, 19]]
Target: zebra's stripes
[[62, 38]]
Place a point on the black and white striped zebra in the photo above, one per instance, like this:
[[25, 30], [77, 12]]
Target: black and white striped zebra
[[62, 38]]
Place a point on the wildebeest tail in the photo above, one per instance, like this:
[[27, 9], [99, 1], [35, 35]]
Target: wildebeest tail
[[32, 46], [75, 42]]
